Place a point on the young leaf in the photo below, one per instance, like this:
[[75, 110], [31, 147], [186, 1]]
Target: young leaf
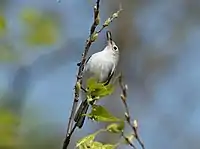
[[99, 113], [130, 138], [97, 145], [86, 141], [115, 127], [98, 89], [93, 85], [104, 91], [109, 146]]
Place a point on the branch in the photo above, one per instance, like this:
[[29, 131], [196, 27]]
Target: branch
[[79, 75], [128, 141], [110, 19], [92, 37], [134, 126]]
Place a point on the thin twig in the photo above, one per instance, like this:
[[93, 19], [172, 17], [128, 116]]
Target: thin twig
[[128, 141], [134, 127], [92, 37], [79, 76], [110, 19]]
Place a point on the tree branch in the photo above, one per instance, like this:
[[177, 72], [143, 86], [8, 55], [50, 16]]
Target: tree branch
[[134, 126], [79, 76], [92, 37]]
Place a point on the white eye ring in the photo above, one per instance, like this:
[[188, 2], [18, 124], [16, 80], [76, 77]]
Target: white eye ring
[[115, 48]]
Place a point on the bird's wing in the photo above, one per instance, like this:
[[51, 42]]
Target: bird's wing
[[88, 59], [110, 75]]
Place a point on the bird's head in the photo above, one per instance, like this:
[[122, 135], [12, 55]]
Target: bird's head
[[110, 43]]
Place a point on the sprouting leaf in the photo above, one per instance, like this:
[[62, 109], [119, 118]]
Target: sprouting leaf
[[105, 91], [130, 138], [99, 113], [98, 89], [109, 146], [2, 23], [115, 127], [94, 36], [92, 84], [86, 141], [97, 145]]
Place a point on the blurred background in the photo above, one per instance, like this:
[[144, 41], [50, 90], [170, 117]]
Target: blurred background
[[42, 41]]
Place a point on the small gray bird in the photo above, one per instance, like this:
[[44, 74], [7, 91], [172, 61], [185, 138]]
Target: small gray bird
[[100, 66]]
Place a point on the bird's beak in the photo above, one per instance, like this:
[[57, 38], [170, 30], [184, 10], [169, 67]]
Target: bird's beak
[[109, 37]]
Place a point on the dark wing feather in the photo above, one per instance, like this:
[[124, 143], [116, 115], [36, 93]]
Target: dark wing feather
[[110, 75]]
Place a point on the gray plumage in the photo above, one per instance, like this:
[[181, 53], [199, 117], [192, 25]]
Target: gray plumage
[[100, 66]]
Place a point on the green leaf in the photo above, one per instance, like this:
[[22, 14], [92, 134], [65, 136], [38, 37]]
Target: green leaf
[[94, 36], [109, 146], [115, 127], [96, 145], [105, 91], [92, 84], [130, 138], [86, 141], [99, 90], [99, 113]]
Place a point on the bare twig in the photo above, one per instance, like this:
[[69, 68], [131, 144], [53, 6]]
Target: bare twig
[[134, 126], [128, 141], [80, 71], [92, 37], [110, 19]]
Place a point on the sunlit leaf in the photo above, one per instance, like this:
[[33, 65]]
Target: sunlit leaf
[[130, 138], [98, 89], [109, 146], [86, 141], [99, 113], [105, 91], [92, 84], [97, 145], [115, 127]]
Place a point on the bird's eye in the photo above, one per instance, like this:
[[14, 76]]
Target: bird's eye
[[115, 48]]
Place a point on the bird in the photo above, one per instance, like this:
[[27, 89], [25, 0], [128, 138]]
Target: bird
[[101, 66]]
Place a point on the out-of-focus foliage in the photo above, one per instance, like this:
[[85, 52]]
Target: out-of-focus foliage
[[7, 53], [2, 24], [8, 131], [42, 29]]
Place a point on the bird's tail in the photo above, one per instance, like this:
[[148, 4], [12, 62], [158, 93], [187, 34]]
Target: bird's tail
[[80, 114]]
